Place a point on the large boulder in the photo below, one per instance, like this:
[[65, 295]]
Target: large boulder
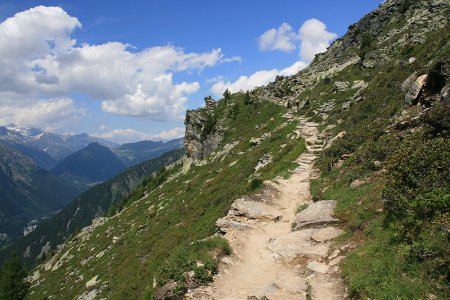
[[413, 88], [341, 86]]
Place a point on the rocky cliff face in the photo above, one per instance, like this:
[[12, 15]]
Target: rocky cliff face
[[203, 132]]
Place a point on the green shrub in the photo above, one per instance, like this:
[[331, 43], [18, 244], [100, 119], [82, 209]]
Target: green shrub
[[405, 6], [197, 257], [418, 182], [367, 44], [438, 119], [12, 279], [247, 99], [254, 184], [208, 126], [302, 207]]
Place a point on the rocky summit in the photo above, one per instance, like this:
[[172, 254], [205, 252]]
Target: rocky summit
[[332, 183]]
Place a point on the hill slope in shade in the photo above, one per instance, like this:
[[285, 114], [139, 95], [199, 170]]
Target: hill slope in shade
[[95, 163], [28, 192], [95, 202]]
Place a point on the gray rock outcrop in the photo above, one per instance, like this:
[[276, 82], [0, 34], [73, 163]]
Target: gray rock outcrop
[[203, 132]]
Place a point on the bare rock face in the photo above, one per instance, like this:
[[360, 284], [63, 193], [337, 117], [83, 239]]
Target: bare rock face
[[203, 133]]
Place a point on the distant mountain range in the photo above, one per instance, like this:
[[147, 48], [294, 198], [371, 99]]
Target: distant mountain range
[[134, 153], [46, 148], [97, 163], [28, 192]]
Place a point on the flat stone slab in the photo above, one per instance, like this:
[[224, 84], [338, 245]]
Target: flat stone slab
[[280, 294], [318, 267], [224, 224], [317, 213], [254, 210], [327, 233], [335, 261], [326, 287], [298, 244], [291, 284]]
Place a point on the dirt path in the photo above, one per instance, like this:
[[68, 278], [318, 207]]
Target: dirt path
[[270, 260]]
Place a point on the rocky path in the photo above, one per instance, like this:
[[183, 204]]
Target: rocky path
[[277, 252]]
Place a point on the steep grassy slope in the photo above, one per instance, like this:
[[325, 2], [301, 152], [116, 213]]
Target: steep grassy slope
[[154, 239], [95, 202], [28, 192]]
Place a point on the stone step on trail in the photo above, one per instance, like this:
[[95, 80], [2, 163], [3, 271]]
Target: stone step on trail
[[254, 210], [297, 244], [317, 213]]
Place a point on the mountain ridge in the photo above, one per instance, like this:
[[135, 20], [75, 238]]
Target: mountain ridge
[[46, 148], [381, 98], [92, 164]]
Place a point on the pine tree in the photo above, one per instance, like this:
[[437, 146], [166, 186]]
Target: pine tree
[[12, 280], [226, 94], [247, 98]]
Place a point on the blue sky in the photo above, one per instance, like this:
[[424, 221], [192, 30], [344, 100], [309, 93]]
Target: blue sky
[[140, 102]]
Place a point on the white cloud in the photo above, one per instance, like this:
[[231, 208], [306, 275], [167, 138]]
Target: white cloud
[[51, 114], [258, 78], [132, 135], [312, 37], [282, 39], [103, 127], [40, 60]]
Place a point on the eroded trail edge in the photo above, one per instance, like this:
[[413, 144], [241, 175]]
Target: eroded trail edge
[[281, 239]]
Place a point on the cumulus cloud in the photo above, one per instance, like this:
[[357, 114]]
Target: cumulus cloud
[[312, 38], [258, 78], [282, 39], [51, 114], [40, 60], [130, 135]]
